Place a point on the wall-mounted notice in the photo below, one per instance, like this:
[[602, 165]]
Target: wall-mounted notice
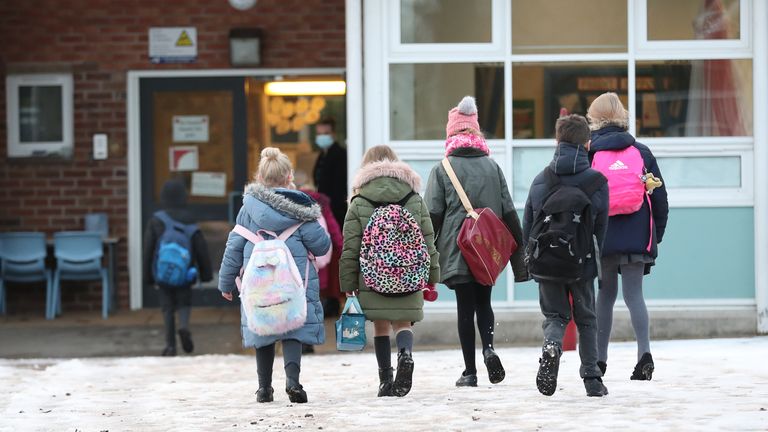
[[209, 184], [172, 44], [182, 158], [190, 128]]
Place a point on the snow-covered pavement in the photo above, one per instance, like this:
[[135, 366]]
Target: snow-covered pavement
[[698, 385]]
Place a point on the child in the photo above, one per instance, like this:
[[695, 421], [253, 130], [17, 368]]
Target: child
[[565, 221], [269, 204], [175, 297], [485, 185], [381, 181], [631, 244]]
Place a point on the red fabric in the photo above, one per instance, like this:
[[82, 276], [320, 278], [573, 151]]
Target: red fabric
[[569, 339], [329, 276], [486, 245]]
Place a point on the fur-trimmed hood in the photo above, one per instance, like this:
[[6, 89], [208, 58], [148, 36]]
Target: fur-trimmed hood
[[397, 170], [288, 206]]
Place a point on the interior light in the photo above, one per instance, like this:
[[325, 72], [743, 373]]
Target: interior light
[[305, 88]]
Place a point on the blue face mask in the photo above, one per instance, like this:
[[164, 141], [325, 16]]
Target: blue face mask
[[324, 141]]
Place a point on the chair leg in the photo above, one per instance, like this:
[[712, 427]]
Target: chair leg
[[2, 297], [51, 313], [58, 298], [48, 292], [105, 291]]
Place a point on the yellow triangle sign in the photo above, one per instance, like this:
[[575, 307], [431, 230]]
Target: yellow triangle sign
[[184, 39]]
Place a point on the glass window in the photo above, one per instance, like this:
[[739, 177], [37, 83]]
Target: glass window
[[527, 163], [422, 94], [566, 26], [445, 21], [541, 89], [694, 98], [701, 172], [40, 114], [423, 168], [693, 19]]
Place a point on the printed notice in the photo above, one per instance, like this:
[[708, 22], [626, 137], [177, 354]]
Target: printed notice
[[209, 184], [172, 44], [190, 128], [182, 158]]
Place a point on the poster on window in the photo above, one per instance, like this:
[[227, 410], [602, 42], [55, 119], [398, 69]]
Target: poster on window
[[209, 184], [183, 158], [189, 128]]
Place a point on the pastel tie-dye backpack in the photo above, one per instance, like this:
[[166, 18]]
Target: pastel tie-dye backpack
[[272, 291], [394, 259]]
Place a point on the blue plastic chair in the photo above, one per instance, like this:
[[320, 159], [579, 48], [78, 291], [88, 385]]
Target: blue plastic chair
[[22, 259], [78, 257]]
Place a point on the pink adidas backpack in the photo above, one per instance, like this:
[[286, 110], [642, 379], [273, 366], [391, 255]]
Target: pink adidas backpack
[[624, 170]]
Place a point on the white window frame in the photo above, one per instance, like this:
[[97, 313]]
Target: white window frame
[[17, 149], [674, 49]]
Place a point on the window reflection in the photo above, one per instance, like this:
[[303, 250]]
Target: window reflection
[[693, 19]]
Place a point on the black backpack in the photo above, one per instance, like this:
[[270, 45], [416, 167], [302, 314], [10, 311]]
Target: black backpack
[[561, 239]]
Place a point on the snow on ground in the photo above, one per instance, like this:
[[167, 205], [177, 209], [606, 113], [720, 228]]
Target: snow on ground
[[698, 385]]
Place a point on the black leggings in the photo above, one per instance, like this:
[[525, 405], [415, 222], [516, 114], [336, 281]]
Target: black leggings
[[474, 298]]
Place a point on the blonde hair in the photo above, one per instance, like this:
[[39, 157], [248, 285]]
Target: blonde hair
[[275, 168], [379, 153], [607, 110]]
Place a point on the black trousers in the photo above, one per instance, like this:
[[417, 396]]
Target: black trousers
[[474, 300], [172, 300]]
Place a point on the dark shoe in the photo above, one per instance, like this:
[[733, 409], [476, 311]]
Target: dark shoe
[[644, 368], [265, 394], [496, 372], [595, 387], [296, 394], [602, 367], [467, 380], [169, 352], [186, 341], [307, 349], [404, 378], [549, 365], [385, 382]]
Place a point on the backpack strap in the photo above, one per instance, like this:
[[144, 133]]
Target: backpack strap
[[247, 234], [377, 204], [459, 189], [370, 201], [406, 198], [289, 231], [592, 184]]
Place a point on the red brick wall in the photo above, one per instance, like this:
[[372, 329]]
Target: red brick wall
[[99, 41]]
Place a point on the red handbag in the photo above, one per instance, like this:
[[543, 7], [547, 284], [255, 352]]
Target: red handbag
[[484, 240]]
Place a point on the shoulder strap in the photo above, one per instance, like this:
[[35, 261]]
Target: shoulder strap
[[370, 201], [592, 184], [459, 189], [165, 218], [247, 234], [289, 231], [405, 199]]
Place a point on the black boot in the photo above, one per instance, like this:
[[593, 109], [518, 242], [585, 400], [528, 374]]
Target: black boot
[[404, 378], [385, 382], [296, 394], [186, 340], [169, 352], [549, 365], [644, 368], [595, 387], [496, 372], [603, 366], [265, 394], [467, 380]]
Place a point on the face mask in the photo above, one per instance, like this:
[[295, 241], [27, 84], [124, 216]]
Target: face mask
[[324, 141]]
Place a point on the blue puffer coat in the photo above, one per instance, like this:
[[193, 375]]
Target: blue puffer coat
[[276, 210], [629, 234]]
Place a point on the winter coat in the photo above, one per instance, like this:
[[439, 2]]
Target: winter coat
[[485, 185], [173, 197], [629, 234], [571, 164], [276, 210], [330, 175], [329, 286], [384, 182]]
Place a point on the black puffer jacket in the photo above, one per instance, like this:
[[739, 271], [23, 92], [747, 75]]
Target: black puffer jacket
[[629, 234], [571, 164]]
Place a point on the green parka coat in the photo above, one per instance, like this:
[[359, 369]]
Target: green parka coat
[[384, 182]]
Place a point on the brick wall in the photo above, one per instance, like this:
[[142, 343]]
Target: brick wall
[[98, 41]]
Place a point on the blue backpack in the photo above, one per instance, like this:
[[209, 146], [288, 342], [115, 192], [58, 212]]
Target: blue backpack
[[174, 252]]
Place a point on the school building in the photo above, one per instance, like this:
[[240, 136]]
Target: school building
[[105, 100]]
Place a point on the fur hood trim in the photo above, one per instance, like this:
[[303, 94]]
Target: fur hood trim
[[398, 170], [307, 211]]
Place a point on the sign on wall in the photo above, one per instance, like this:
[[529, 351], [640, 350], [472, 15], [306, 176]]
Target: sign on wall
[[172, 44], [183, 158], [190, 128], [209, 184]]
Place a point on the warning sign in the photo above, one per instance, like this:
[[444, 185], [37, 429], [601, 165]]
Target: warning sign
[[183, 158], [172, 44]]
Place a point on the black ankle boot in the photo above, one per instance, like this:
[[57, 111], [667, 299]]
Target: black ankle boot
[[595, 387], [385, 382], [296, 394], [644, 368], [169, 352], [496, 372], [603, 366], [265, 394], [404, 378], [549, 365], [186, 341], [467, 380]]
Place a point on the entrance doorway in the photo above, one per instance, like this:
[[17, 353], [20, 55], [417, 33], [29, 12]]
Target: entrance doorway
[[209, 132]]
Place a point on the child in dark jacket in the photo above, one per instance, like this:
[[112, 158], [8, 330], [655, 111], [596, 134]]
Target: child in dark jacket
[[570, 167], [175, 298]]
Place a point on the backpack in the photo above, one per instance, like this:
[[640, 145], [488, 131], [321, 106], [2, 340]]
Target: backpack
[[173, 255], [624, 170], [272, 291], [561, 239], [394, 259]]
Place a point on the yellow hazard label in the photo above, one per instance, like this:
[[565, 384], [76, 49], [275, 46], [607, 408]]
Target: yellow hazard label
[[184, 39]]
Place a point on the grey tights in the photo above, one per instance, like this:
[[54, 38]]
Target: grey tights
[[632, 289]]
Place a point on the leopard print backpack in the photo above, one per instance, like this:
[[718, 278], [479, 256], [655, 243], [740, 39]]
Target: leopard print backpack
[[394, 259]]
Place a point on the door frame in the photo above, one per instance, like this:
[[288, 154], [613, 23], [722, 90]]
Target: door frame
[[133, 113]]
